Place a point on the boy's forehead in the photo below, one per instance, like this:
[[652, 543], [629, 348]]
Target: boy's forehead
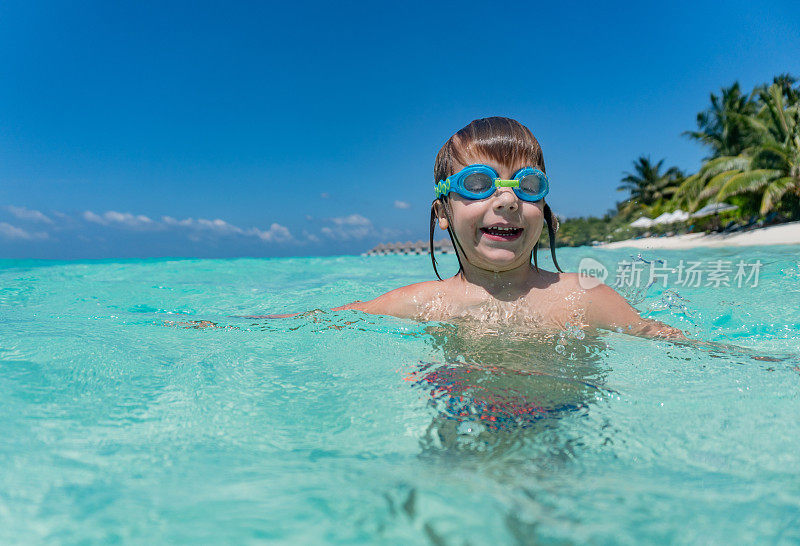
[[474, 158]]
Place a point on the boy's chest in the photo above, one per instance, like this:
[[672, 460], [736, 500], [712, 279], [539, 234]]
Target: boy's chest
[[535, 309]]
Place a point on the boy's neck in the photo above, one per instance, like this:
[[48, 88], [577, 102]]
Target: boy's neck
[[503, 285]]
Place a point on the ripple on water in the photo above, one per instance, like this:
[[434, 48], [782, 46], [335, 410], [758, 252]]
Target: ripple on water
[[349, 428]]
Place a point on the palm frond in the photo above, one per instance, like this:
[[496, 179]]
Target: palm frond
[[689, 189], [774, 191], [776, 93], [771, 150], [712, 186], [725, 163], [746, 182]]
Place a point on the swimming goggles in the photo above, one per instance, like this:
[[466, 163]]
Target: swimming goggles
[[480, 181]]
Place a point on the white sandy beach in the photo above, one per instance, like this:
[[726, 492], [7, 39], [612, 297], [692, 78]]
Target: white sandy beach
[[782, 234]]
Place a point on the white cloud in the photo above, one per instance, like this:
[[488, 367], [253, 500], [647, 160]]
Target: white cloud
[[394, 234], [8, 231], [170, 221], [197, 228], [120, 218], [310, 237], [28, 214], [219, 226], [402, 205], [276, 233], [353, 226], [128, 218], [89, 216], [352, 220]]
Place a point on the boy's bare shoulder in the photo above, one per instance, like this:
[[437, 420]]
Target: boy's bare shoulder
[[404, 302], [561, 283], [587, 292], [572, 283], [418, 289]]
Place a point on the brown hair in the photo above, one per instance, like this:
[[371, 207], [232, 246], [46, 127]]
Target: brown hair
[[503, 140]]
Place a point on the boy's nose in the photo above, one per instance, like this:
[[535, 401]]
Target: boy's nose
[[505, 198]]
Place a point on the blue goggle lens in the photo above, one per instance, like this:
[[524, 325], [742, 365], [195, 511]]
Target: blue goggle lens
[[531, 184], [478, 182]]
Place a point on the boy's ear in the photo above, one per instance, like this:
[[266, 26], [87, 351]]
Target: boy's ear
[[439, 209]]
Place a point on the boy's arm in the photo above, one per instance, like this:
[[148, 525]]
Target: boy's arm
[[608, 310], [400, 302]]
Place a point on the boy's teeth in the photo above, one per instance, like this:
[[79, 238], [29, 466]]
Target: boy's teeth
[[502, 230]]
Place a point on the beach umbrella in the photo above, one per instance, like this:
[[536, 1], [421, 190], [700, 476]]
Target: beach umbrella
[[671, 217], [679, 215], [713, 208], [665, 218], [642, 222]]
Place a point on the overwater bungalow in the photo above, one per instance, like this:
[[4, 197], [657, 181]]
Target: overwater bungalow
[[441, 246]]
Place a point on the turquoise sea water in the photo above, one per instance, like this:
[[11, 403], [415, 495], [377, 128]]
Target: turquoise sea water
[[120, 424]]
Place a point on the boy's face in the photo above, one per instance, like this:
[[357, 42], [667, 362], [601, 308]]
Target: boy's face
[[482, 226]]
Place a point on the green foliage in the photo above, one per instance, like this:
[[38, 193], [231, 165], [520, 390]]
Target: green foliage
[[767, 164], [754, 163], [647, 185], [722, 127], [588, 230]]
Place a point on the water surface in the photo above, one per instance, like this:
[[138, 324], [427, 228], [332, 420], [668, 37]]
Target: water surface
[[118, 424]]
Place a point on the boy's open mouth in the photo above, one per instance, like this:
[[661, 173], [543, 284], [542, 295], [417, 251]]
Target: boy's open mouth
[[502, 233]]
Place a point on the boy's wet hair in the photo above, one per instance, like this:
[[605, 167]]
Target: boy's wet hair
[[504, 141]]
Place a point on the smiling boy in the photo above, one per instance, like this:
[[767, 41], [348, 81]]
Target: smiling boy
[[490, 185]]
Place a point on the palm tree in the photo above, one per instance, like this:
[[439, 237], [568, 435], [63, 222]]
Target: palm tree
[[647, 184], [723, 127], [770, 167], [786, 82]]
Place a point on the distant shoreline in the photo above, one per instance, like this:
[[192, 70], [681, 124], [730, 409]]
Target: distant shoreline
[[781, 234]]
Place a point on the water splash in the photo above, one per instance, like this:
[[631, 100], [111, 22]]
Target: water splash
[[634, 292], [492, 313], [572, 330], [791, 277], [675, 304]]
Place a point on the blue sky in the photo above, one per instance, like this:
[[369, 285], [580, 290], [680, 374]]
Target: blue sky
[[299, 128]]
